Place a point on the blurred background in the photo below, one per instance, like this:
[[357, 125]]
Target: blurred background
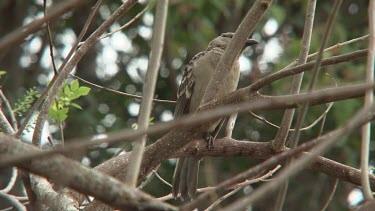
[[120, 61]]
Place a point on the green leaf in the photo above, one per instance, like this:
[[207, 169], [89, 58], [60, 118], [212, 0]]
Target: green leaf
[[23, 105], [58, 115], [83, 90], [76, 105], [150, 120], [67, 91], [74, 86], [2, 73]]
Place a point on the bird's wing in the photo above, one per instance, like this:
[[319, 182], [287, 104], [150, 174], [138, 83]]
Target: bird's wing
[[186, 89]]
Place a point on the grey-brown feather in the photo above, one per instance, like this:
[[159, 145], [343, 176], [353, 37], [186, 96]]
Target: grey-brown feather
[[194, 82]]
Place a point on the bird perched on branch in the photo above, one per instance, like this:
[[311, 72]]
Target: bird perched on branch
[[194, 82]]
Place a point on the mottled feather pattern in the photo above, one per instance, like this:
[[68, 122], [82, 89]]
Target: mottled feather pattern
[[186, 88]]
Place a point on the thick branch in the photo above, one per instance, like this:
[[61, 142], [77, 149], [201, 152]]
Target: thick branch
[[262, 150], [66, 172], [170, 143], [180, 137]]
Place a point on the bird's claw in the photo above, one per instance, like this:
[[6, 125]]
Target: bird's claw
[[210, 140]]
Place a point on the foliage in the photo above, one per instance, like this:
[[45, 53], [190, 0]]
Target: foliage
[[135, 125], [60, 108], [24, 104]]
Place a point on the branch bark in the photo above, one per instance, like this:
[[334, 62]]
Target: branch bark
[[65, 172], [148, 90], [176, 138]]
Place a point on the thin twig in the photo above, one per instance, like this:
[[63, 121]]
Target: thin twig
[[19, 35], [67, 58], [161, 178], [259, 179], [239, 186], [12, 208], [308, 66], [10, 110], [49, 34], [118, 92], [154, 173], [157, 46], [369, 98], [316, 121], [282, 133], [16, 204], [54, 86], [11, 182], [149, 177], [131, 21], [302, 114], [339, 45], [322, 116], [331, 194], [49, 37], [333, 47], [298, 165]]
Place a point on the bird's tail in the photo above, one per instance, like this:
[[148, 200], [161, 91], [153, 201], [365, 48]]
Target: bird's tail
[[185, 178]]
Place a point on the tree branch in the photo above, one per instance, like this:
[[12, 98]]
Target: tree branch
[[148, 90], [60, 78], [309, 66], [18, 36], [238, 101], [369, 98], [81, 178], [233, 50]]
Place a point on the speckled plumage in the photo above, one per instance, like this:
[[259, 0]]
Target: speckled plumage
[[195, 79]]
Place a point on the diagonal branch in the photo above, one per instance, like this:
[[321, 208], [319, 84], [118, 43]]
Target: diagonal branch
[[81, 178], [20, 34], [60, 78], [238, 101], [232, 51]]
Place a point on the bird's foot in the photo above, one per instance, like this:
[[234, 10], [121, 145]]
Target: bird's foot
[[210, 140]]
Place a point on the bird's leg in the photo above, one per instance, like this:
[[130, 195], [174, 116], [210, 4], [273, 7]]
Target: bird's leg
[[211, 136]]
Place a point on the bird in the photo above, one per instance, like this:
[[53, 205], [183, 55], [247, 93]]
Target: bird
[[195, 78]]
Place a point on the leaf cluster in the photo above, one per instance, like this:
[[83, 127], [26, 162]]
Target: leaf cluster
[[60, 108]]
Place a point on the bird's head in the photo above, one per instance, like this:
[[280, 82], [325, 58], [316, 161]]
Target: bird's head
[[223, 40]]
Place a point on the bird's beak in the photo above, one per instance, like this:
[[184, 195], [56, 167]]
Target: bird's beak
[[250, 42], [247, 43]]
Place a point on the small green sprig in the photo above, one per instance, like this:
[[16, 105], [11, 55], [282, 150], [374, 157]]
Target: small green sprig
[[23, 105], [60, 108]]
